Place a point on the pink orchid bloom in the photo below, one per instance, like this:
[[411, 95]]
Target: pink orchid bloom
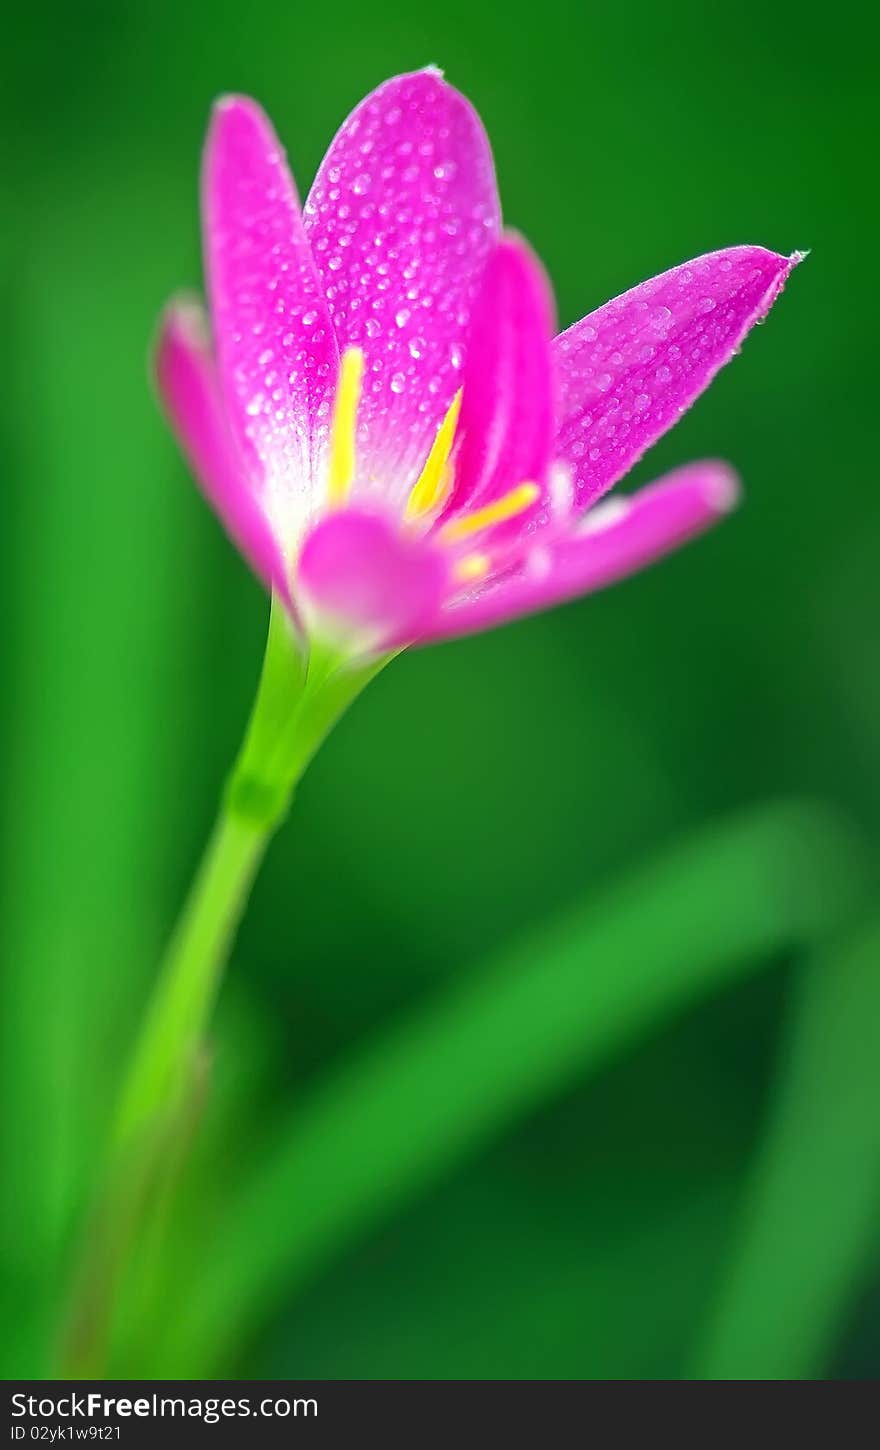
[[384, 420]]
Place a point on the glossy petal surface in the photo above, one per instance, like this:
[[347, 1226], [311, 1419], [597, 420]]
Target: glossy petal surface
[[188, 386], [402, 218], [276, 347], [628, 371], [507, 424]]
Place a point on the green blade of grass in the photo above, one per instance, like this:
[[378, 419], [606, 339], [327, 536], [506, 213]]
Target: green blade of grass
[[813, 1205], [93, 656], [411, 1105]]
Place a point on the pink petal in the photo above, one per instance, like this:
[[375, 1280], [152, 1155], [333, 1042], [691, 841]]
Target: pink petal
[[368, 584], [508, 405], [276, 346], [402, 217], [615, 539], [629, 370], [188, 387]]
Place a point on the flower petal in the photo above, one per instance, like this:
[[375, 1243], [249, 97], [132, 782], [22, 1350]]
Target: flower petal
[[276, 346], [629, 370], [615, 539], [402, 217], [188, 386], [365, 583], [507, 417]]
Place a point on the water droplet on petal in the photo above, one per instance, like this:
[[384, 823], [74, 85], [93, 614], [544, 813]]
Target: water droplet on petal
[[660, 318]]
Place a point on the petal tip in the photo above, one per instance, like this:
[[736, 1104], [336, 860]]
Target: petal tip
[[181, 327], [722, 488], [232, 101], [236, 120], [514, 251], [770, 272], [184, 316]]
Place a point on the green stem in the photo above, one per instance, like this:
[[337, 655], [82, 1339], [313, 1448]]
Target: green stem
[[255, 801], [174, 1027], [298, 701]]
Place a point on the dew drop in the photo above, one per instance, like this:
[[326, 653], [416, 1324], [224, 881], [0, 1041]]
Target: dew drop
[[660, 318]]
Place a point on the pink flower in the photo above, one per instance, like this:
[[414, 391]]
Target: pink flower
[[384, 420]]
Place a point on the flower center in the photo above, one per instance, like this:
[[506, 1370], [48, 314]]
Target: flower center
[[435, 480]]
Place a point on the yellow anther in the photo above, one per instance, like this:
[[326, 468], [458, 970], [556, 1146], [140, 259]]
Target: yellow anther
[[471, 567], [503, 508], [340, 473], [433, 482]]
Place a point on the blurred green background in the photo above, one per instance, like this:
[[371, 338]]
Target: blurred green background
[[480, 788]]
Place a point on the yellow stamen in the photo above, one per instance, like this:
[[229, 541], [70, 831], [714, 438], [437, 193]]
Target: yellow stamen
[[471, 567], [342, 432], [507, 507], [434, 480]]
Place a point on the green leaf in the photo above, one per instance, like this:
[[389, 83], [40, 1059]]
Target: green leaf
[[549, 1009], [811, 1214]]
